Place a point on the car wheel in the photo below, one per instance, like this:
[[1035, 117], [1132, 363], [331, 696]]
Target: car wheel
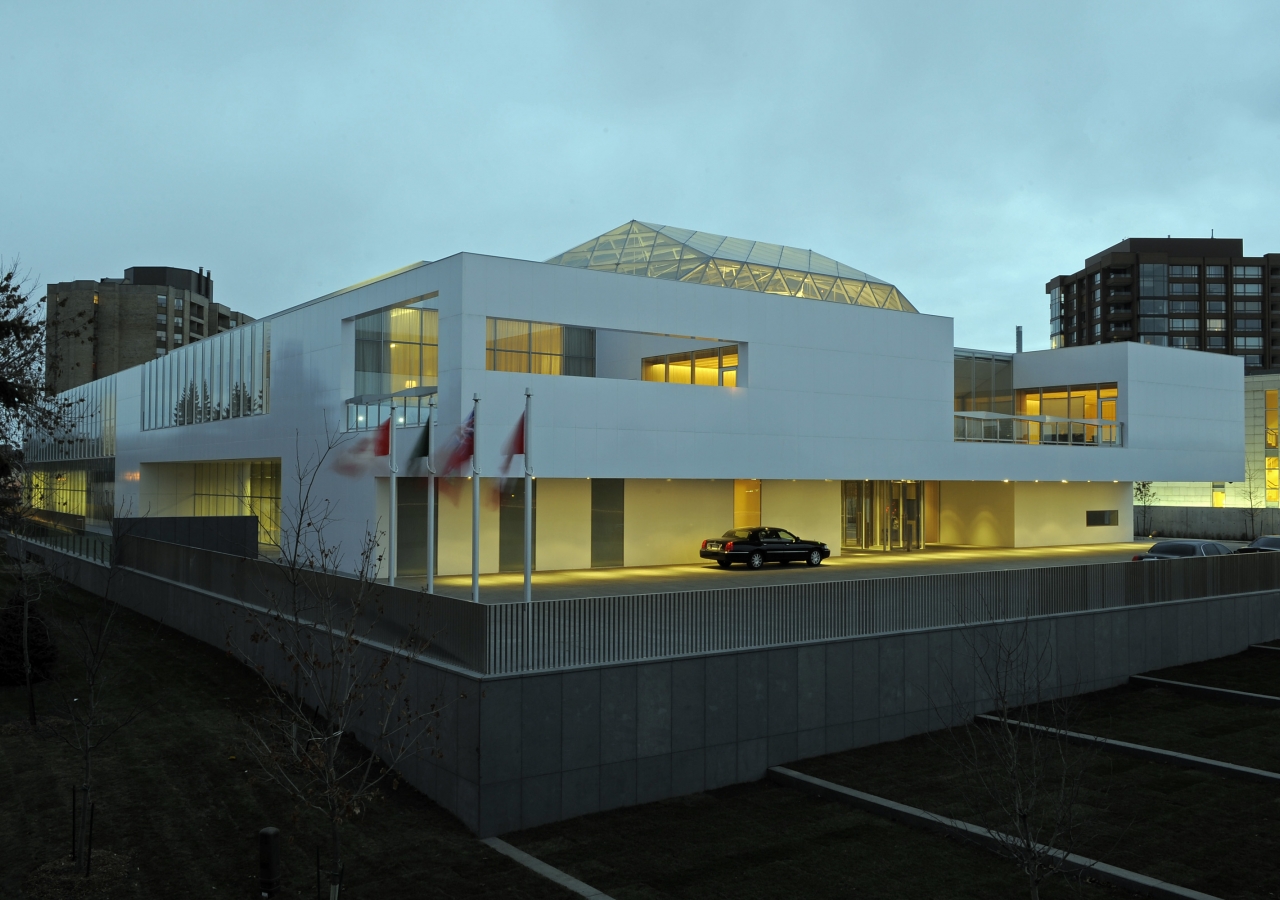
[[755, 560], [723, 563], [815, 558]]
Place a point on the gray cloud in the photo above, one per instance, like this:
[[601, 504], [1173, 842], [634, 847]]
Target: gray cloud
[[965, 152]]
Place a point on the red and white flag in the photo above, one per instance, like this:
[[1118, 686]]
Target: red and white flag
[[461, 446], [357, 457]]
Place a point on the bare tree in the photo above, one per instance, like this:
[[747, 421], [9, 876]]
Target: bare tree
[[1022, 772], [335, 665], [1254, 497], [1144, 494], [91, 712]]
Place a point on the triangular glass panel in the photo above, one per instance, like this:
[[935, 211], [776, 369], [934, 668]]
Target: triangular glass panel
[[744, 281], [761, 274], [577, 259], [581, 248], [893, 301], [854, 289], [613, 240], [880, 292], [809, 290], [907, 305], [728, 270], [690, 261], [665, 248], [664, 268], [681, 235], [793, 279], [823, 285], [605, 258], [777, 284], [838, 293], [710, 275], [692, 275]]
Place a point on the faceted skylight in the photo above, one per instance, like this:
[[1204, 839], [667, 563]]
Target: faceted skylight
[[678, 254]]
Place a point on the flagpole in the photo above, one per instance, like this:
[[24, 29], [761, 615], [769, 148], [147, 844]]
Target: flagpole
[[528, 499], [475, 499], [431, 494], [392, 518]]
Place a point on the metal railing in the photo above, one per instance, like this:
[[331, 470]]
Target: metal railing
[[1012, 429], [514, 638], [84, 545]]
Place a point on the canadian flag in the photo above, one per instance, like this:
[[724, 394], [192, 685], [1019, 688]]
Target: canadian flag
[[355, 459]]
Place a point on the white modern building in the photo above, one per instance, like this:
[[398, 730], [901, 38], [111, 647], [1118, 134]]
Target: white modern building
[[682, 383]]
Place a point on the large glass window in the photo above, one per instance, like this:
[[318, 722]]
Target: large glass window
[[717, 366], [223, 377], [396, 350], [1185, 288], [241, 488], [1246, 290], [1153, 280], [1184, 271], [539, 348], [983, 382], [1246, 271]]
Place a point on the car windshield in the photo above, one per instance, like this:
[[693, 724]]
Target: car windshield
[[740, 533], [1173, 548], [1270, 542]]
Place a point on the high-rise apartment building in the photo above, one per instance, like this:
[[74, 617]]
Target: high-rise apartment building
[[1194, 293], [97, 328]]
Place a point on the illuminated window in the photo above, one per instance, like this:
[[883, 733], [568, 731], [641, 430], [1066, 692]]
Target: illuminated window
[[396, 350], [1272, 400], [539, 348], [1273, 479], [241, 488], [713, 366], [1219, 494]]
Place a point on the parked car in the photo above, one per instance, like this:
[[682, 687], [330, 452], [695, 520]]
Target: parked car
[[757, 546], [1262, 545], [1183, 549]]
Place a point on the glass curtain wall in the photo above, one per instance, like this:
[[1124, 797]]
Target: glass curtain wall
[[222, 377], [884, 515], [539, 348], [396, 349], [241, 488], [713, 366]]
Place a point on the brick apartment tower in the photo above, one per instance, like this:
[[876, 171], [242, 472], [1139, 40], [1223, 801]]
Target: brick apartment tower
[[1194, 293], [123, 322]]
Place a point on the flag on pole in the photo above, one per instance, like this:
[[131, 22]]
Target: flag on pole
[[462, 446], [356, 457], [514, 446]]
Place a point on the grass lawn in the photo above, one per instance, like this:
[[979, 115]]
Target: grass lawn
[[178, 807], [762, 840], [1232, 732], [1254, 671], [1194, 829]]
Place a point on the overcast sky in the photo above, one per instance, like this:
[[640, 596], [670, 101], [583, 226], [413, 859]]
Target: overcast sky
[[965, 152]]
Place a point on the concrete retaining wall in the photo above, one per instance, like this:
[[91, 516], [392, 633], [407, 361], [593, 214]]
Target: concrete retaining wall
[[1224, 523], [523, 750]]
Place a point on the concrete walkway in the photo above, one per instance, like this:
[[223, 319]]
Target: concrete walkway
[[508, 587]]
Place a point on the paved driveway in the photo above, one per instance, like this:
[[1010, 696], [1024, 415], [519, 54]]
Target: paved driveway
[[508, 587]]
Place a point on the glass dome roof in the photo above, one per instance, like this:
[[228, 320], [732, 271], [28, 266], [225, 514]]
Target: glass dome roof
[[678, 254]]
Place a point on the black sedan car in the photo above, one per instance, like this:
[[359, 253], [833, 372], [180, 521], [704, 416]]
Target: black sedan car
[[1182, 550], [1266, 543], [757, 546]]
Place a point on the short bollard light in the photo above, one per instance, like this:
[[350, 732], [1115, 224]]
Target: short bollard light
[[269, 861]]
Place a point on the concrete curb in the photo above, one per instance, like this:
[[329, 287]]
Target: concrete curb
[[1133, 881], [551, 873], [1153, 753], [1204, 690]]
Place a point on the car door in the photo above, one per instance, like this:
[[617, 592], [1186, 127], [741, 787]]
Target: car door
[[790, 546]]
